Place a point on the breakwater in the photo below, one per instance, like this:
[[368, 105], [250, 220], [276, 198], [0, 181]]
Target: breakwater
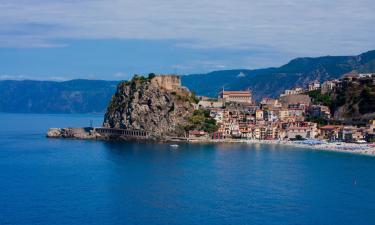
[[97, 133]]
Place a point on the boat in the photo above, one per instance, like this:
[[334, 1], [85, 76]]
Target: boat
[[174, 146]]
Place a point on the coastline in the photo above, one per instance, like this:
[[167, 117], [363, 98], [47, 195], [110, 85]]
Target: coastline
[[91, 134], [343, 147]]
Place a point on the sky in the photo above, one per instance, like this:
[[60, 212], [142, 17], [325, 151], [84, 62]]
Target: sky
[[114, 39]]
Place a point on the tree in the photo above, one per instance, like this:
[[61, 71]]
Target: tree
[[151, 75], [194, 97]]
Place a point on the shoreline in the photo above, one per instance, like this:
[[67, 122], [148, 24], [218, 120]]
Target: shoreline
[[343, 147], [90, 134]]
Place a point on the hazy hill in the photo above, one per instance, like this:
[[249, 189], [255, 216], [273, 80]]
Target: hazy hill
[[75, 96], [272, 81], [83, 96]]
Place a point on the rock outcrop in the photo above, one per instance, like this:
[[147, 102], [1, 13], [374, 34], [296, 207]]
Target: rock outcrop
[[77, 133], [150, 105]]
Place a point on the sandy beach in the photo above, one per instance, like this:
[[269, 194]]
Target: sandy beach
[[355, 148], [363, 149]]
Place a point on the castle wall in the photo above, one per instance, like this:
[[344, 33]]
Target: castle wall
[[168, 82]]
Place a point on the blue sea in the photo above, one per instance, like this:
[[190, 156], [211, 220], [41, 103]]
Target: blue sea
[[55, 182]]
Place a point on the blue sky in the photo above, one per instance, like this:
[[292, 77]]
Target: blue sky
[[114, 39]]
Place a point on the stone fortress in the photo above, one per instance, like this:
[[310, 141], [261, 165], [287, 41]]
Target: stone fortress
[[168, 82]]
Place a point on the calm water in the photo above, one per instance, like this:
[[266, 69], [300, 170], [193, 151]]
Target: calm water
[[51, 181]]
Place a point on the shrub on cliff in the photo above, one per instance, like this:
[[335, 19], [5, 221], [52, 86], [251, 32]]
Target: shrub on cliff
[[201, 120]]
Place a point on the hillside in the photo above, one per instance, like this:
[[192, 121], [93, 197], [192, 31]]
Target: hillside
[[352, 100], [272, 81], [75, 96], [151, 104], [87, 96]]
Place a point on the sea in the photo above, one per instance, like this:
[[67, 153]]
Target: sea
[[69, 182]]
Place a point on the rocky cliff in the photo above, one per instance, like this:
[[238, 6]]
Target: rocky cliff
[[350, 101], [354, 100], [145, 104]]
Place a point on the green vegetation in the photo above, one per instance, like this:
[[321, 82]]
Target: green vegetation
[[319, 120], [151, 75], [201, 120], [319, 98], [194, 97], [185, 97], [140, 78], [367, 96]]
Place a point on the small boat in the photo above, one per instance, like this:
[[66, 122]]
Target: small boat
[[174, 146]]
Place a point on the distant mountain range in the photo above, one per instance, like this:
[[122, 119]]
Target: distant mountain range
[[90, 96], [271, 82], [75, 96]]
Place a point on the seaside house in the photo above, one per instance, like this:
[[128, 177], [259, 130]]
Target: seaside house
[[330, 132], [350, 134]]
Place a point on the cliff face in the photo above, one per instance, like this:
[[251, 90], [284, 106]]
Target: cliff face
[[350, 101], [354, 100], [147, 105]]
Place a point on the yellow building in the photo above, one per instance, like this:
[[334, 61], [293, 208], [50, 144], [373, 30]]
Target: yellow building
[[283, 114], [259, 114]]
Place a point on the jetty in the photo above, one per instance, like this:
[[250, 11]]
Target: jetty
[[97, 133]]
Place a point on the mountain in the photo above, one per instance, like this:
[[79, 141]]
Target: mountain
[[87, 96], [271, 82], [75, 96]]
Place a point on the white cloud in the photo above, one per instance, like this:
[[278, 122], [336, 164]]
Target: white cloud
[[241, 74], [295, 27], [38, 77], [12, 77], [122, 75]]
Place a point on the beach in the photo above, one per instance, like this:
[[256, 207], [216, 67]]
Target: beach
[[355, 148], [364, 149]]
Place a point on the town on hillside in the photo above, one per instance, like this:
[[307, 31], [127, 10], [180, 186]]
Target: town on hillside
[[292, 116]]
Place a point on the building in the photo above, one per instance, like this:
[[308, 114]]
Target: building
[[314, 86], [330, 132], [319, 111], [271, 115], [328, 86], [350, 134], [302, 132], [168, 82], [208, 103], [294, 91], [370, 133], [236, 96], [197, 134], [270, 103], [299, 99], [283, 114], [259, 114]]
